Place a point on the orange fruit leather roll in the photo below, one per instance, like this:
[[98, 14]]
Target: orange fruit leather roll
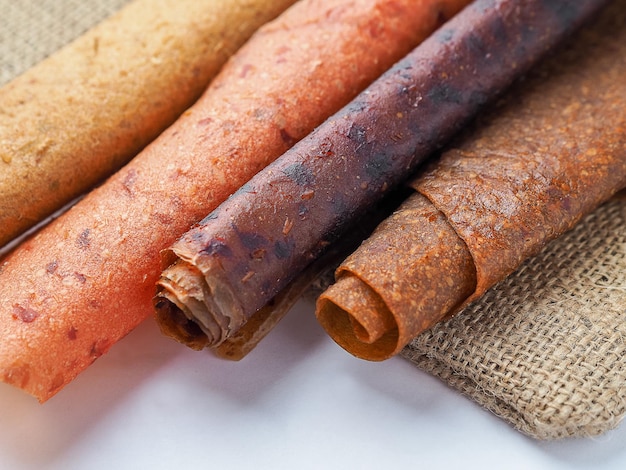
[[78, 116], [549, 153], [88, 278]]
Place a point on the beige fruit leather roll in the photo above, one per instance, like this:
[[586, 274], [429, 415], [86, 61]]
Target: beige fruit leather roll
[[79, 115]]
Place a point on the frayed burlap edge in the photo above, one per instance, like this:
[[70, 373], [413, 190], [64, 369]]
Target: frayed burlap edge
[[545, 349]]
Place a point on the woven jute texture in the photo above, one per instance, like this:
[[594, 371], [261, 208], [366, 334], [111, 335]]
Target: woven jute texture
[[546, 348], [30, 30]]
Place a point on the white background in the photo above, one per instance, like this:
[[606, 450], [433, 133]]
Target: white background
[[297, 402]]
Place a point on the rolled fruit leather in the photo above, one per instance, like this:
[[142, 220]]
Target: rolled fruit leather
[[240, 256], [548, 154], [87, 279], [76, 117]]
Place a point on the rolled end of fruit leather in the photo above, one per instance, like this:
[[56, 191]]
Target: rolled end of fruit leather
[[524, 173], [240, 256], [76, 117], [197, 303], [404, 284]]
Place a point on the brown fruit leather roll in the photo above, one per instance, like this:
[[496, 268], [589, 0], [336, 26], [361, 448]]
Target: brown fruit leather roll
[[255, 243], [548, 154], [78, 116], [87, 279]]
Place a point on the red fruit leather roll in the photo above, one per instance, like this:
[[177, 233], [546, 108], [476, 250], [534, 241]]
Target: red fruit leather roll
[[88, 278], [254, 244], [548, 154]]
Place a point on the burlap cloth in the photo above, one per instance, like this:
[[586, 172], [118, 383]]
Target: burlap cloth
[[544, 350], [30, 30]]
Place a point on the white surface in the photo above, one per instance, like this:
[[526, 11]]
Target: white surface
[[297, 402]]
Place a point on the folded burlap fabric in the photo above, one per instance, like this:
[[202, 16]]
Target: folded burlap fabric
[[545, 348]]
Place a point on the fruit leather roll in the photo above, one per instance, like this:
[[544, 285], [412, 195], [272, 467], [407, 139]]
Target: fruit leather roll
[[75, 118], [255, 243], [548, 154], [88, 278]]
